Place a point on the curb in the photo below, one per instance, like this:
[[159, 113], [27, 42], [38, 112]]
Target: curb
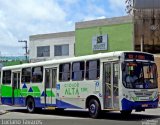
[[2, 112]]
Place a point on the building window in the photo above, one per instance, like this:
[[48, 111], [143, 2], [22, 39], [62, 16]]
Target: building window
[[6, 77], [78, 71], [64, 72], [43, 51], [61, 50], [26, 75], [37, 74], [92, 69]]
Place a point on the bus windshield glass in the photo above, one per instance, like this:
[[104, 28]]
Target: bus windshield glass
[[140, 75]]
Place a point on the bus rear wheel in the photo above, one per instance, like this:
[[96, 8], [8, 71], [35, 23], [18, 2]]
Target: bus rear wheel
[[94, 108], [30, 105]]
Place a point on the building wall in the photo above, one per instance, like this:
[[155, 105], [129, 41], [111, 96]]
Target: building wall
[[119, 38], [118, 29], [147, 30], [50, 40]]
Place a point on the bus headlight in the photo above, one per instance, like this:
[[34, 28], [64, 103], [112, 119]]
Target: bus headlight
[[155, 95]]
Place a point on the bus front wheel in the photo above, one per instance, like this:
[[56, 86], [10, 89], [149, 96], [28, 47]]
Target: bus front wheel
[[30, 105], [94, 108]]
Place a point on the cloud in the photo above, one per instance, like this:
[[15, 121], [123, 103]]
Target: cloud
[[21, 18], [88, 18], [117, 7]]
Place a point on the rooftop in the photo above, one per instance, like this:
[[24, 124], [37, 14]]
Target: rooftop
[[52, 35], [103, 22]]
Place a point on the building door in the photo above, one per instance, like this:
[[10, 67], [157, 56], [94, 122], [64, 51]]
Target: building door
[[111, 78], [50, 86], [16, 88]]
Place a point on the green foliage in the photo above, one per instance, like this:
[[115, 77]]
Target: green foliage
[[11, 63]]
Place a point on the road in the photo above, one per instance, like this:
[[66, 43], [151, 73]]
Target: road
[[72, 117]]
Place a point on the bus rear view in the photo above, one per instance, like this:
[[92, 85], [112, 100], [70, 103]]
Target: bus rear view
[[139, 90]]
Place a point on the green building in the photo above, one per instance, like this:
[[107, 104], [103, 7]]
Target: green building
[[104, 35]]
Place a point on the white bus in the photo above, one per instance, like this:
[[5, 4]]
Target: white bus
[[122, 81]]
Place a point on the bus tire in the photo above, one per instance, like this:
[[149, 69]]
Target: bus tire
[[94, 108], [126, 112], [30, 105]]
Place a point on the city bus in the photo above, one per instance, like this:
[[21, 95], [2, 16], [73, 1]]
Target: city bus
[[114, 81]]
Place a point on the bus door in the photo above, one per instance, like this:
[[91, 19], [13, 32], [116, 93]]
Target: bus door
[[16, 88], [50, 86], [111, 78]]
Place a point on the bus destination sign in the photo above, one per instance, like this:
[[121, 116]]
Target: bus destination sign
[[139, 56]]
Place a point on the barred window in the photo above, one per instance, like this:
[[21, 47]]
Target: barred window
[[43, 51], [61, 50]]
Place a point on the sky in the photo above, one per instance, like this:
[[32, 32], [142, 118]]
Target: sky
[[21, 18]]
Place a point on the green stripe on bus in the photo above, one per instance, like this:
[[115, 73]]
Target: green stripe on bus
[[17, 93], [37, 94], [24, 92], [50, 93], [6, 91], [35, 89], [30, 93]]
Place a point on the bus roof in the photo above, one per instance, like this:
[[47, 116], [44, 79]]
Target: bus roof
[[71, 59]]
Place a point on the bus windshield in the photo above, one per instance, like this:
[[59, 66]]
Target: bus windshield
[[140, 75]]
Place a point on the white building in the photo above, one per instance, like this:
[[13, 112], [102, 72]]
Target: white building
[[51, 46]]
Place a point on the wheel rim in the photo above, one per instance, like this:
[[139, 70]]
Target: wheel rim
[[30, 106], [92, 108]]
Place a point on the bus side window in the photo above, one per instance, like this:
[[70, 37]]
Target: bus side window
[[64, 72], [37, 74], [6, 78], [92, 70], [26, 75], [78, 71]]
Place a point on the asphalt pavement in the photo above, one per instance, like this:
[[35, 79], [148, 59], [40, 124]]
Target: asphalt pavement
[[20, 116]]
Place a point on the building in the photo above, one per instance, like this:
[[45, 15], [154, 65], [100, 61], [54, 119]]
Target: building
[[51, 46], [95, 36], [104, 35]]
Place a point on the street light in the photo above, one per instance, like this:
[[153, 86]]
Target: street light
[[25, 47]]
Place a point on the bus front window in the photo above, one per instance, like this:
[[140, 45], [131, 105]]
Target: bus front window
[[140, 75]]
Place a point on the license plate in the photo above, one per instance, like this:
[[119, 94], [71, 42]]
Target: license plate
[[144, 105]]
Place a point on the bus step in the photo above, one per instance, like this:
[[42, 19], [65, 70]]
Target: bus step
[[50, 108], [111, 109]]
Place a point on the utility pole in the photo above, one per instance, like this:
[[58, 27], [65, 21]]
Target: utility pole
[[25, 47]]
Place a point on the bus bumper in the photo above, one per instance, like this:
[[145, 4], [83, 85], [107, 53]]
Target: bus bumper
[[138, 105]]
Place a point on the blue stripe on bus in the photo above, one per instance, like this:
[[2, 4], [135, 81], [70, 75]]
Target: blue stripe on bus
[[21, 101], [9, 101], [129, 105], [62, 104], [6, 100]]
